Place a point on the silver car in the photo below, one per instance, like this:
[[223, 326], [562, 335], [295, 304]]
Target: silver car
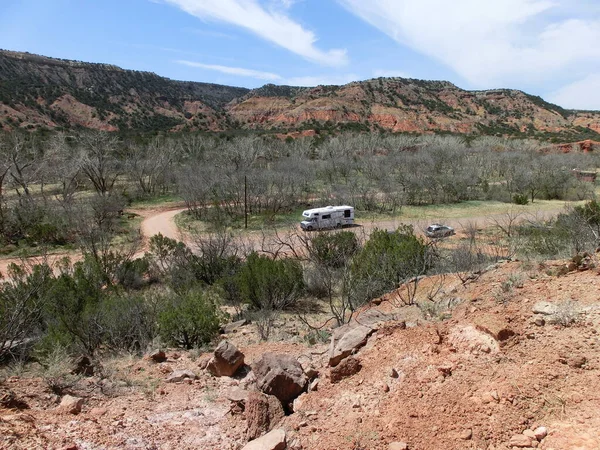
[[437, 230]]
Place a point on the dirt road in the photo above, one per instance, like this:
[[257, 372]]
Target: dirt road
[[161, 222]]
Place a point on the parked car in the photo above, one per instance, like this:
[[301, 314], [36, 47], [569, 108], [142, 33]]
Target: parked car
[[438, 231]]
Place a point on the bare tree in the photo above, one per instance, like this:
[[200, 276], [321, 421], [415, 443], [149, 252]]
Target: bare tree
[[98, 160]]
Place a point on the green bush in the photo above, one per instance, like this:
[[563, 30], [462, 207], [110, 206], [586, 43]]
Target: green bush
[[174, 263], [546, 240], [131, 273], [334, 250], [21, 309], [520, 199], [590, 212], [129, 322], [387, 260], [73, 308], [265, 283], [191, 319]]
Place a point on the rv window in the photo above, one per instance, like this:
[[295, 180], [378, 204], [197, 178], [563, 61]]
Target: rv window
[[327, 216], [347, 213]]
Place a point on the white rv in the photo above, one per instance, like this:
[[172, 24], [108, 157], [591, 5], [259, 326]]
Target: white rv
[[328, 217]]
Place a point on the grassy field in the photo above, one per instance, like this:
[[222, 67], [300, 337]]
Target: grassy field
[[255, 222], [476, 208]]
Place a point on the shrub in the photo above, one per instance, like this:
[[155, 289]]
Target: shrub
[[549, 240], [190, 319], [567, 313], [130, 274], [520, 199], [172, 262], [21, 309], [387, 260], [265, 283], [129, 322], [334, 250], [73, 308]]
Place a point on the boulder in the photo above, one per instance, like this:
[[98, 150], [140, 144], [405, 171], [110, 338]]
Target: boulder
[[71, 405], [226, 360], [180, 375], [275, 440], [545, 308], [157, 356], [263, 413], [345, 369], [373, 318], [279, 375], [355, 338]]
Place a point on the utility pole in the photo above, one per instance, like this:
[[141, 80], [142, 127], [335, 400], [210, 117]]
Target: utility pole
[[245, 202]]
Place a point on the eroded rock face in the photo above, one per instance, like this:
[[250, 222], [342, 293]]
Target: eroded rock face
[[263, 413], [226, 360], [275, 440], [351, 341], [280, 375], [346, 368]]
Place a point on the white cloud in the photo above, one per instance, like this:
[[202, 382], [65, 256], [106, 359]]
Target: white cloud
[[582, 94], [210, 33], [285, 4], [270, 24], [494, 43], [239, 71], [309, 81]]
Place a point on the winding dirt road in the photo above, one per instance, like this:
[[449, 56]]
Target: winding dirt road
[[162, 222]]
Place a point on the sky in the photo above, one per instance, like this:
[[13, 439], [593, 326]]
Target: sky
[[549, 48]]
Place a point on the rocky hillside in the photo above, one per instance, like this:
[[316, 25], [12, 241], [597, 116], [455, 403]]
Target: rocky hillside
[[36, 91], [489, 369]]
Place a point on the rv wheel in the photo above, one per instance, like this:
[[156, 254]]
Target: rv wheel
[[309, 228], [339, 225]]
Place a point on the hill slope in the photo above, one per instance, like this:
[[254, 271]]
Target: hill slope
[[38, 91]]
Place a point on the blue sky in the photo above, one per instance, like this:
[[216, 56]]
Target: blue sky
[[546, 47]]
